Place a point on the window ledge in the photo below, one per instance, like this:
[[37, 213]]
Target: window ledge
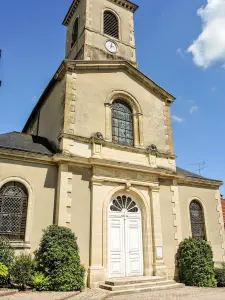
[[20, 245]]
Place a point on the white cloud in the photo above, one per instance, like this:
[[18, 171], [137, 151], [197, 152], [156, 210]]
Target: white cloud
[[180, 52], [194, 109], [209, 47], [177, 119]]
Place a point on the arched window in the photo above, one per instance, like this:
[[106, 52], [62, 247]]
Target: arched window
[[197, 220], [13, 210], [124, 203], [75, 32], [111, 24], [122, 123]]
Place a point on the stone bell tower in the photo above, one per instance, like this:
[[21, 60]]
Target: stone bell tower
[[101, 30]]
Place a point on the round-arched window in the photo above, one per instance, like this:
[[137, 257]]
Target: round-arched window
[[122, 123], [111, 24], [124, 203], [197, 220], [13, 210]]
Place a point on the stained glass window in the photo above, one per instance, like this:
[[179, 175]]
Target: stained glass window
[[122, 123], [124, 202], [13, 210], [197, 220]]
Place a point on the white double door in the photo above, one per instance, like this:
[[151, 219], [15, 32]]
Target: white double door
[[125, 244]]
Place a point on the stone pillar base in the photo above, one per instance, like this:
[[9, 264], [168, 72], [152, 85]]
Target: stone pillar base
[[160, 269], [96, 275]]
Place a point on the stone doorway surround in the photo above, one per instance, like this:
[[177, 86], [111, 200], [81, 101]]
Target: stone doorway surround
[[145, 189]]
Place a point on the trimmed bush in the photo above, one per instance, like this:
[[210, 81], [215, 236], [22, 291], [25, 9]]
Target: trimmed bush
[[58, 259], [40, 282], [195, 261], [6, 252], [4, 274], [22, 271], [220, 276]]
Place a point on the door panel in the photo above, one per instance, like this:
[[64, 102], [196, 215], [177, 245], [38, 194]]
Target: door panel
[[134, 253], [116, 247]]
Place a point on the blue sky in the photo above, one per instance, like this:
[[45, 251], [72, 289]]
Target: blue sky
[[33, 42]]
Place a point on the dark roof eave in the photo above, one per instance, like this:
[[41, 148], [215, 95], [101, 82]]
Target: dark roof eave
[[27, 151]]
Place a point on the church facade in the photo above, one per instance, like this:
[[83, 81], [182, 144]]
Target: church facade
[[97, 155]]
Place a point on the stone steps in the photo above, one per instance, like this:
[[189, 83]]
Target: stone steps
[[138, 285]]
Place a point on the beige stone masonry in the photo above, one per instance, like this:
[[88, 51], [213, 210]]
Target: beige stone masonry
[[176, 212], [70, 103], [221, 221], [64, 196], [158, 265]]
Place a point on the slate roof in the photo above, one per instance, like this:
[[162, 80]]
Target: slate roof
[[192, 175], [26, 143]]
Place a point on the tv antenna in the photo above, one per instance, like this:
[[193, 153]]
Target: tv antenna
[[200, 166]]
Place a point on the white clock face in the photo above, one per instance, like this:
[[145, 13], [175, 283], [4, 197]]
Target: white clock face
[[111, 46]]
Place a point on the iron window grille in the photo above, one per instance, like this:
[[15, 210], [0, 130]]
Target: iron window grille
[[122, 123], [13, 211], [197, 220], [75, 32], [111, 24]]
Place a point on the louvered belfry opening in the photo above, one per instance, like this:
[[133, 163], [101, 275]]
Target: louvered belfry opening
[[111, 24], [197, 220], [13, 210], [122, 123], [75, 32]]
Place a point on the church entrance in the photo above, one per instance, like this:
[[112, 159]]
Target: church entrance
[[125, 237]]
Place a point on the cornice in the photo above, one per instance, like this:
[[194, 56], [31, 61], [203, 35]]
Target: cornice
[[26, 156], [123, 3], [115, 146], [72, 65], [70, 12], [199, 182], [60, 158], [109, 164], [126, 4]]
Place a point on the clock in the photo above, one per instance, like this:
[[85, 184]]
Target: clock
[[111, 46]]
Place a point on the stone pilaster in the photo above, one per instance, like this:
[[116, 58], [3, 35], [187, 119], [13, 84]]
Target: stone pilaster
[[64, 196], [96, 271], [158, 262], [176, 213], [221, 222], [108, 122]]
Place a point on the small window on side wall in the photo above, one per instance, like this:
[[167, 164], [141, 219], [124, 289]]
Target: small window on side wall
[[122, 123], [197, 220], [111, 24], [13, 210], [75, 32]]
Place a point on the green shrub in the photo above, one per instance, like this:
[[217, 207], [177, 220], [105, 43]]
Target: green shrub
[[59, 260], [4, 274], [40, 282], [6, 252], [22, 270], [220, 276], [195, 261]]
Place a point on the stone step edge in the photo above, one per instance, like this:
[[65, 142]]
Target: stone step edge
[[136, 285], [8, 293], [133, 281], [143, 290]]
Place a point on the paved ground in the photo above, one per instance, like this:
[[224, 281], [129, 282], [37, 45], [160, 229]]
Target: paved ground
[[187, 293], [36, 296]]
